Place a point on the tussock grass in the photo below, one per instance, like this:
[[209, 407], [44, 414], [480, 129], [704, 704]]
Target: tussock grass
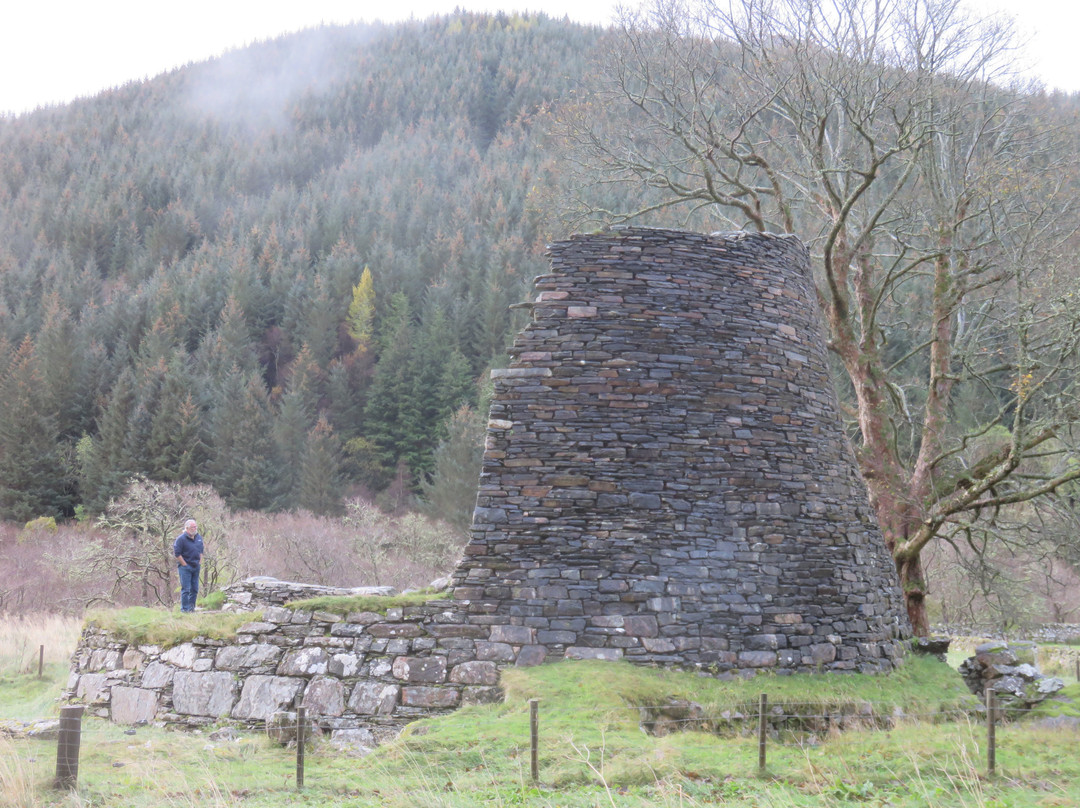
[[593, 754], [17, 786], [139, 625], [213, 601], [379, 604], [22, 636], [23, 695], [595, 708]]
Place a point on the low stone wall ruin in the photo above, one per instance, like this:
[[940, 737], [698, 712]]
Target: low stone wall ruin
[[364, 675]]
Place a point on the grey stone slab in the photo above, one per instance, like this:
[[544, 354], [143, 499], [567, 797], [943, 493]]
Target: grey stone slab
[[210, 694], [263, 696], [374, 698], [157, 674], [133, 705], [324, 696]]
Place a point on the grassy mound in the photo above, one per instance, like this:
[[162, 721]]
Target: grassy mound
[[142, 626], [379, 604]]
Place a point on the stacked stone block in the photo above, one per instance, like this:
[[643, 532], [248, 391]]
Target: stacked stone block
[[367, 670], [666, 478]]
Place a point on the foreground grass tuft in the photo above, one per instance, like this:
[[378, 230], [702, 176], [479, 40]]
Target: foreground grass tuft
[[379, 604], [142, 626]]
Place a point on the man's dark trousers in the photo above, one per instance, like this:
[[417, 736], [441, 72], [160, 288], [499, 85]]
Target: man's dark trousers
[[189, 587]]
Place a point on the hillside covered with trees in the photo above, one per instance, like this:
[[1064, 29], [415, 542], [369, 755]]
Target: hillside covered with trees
[[282, 275], [279, 272]]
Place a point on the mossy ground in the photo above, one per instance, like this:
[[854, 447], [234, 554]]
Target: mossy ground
[[139, 625], [379, 604]]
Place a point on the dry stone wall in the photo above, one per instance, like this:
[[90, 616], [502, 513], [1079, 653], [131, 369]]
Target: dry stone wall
[[666, 477], [367, 672]]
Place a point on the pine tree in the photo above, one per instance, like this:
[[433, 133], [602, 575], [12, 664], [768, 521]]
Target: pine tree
[[295, 417], [242, 466], [33, 481], [450, 493], [176, 449], [107, 464], [321, 485], [388, 414]]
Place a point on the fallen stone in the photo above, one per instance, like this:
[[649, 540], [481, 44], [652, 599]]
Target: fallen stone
[[281, 728], [358, 742]]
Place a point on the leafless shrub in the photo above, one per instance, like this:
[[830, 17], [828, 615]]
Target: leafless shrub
[[125, 558]]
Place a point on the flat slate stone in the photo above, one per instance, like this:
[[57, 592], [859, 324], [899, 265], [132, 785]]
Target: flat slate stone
[[239, 657], [133, 705], [206, 694], [157, 674], [263, 696], [324, 695], [374, 698]]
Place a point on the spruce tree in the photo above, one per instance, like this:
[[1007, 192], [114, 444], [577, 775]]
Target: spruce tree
[[321, 485], [33, 481], [242, 466]]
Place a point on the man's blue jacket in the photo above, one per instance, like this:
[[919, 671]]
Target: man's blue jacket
[[190, 548]]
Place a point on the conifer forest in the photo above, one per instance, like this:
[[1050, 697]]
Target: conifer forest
[[284, 274]]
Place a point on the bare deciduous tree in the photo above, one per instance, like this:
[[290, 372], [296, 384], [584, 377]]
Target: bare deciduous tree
[[137, 533], [938, 203]]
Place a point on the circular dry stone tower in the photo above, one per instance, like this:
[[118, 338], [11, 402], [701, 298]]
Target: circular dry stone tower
[[666, 478]]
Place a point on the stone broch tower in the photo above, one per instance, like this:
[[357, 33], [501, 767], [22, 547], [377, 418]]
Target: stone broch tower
[[666, 478], [665, 481]]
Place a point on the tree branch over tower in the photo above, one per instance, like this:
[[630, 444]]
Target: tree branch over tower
[[939, 201]]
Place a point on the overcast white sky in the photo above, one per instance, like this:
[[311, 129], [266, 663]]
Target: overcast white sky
[[52, 51]]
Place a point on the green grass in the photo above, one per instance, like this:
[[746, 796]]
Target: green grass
[[25, 697], [379, 604], [139, 625], [213, 601], [592, 754]]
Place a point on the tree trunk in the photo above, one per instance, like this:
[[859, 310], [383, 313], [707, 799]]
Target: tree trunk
[[913, 583]]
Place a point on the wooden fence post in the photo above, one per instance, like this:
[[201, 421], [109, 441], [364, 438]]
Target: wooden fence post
[[67, 747], [534, 738], [301, 741], [991, 719], [41, 662], [763, 704]]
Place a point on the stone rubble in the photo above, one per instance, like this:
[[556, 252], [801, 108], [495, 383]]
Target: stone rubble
[[1008, 668]]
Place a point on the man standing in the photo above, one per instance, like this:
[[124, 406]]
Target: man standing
[[188, 549]]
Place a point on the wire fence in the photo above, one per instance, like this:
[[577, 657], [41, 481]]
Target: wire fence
[[791, 724]]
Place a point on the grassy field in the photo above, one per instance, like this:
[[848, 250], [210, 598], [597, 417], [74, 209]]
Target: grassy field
[[593, 751]]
